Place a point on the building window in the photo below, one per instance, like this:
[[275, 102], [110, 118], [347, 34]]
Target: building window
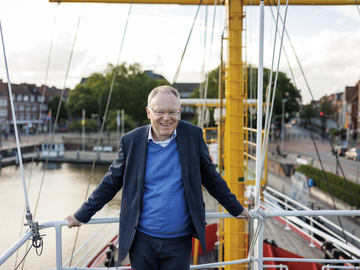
[[26, 97], [34, 116], [40, 98], [13, 95], [19, 97], [45, 107], [3, 102], [34, 108], [28, 108], [43, 116], [3, 112], [21, 116], [28, 116], [32, 98], [21, 107]]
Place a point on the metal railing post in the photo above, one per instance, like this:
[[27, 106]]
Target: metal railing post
[[58, 246], [312, 234], [287, 228]]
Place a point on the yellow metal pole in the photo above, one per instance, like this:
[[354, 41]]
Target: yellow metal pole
[[235, 93]]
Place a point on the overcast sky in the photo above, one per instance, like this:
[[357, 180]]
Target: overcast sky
[[326, 40]]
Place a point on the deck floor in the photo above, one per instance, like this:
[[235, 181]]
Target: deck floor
[[289, 240]]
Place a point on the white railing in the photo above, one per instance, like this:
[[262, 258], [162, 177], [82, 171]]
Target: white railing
[[290, 214], [270, 202]]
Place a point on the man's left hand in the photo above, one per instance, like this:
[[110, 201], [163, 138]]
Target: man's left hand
[[244, 215]]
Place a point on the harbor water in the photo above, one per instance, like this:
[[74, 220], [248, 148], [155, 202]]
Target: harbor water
[[62, 188]]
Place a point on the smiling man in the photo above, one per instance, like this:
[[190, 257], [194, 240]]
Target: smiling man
[[161, 168]]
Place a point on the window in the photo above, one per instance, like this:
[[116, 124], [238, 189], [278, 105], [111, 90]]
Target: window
[[26, 98], [15, 107], [45, 107], [33, 116], [3, 112], [28, 107], [34, 108], [21, 116], [13, 95], [21, 107], [3, 102], [28, 116], [43, 116], [19, 97], [40, 98], [32, 98]]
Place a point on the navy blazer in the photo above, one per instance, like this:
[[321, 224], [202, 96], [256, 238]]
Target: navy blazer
[[128, 172]]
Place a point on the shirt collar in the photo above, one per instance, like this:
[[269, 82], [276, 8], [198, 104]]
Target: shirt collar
[[166, 142]]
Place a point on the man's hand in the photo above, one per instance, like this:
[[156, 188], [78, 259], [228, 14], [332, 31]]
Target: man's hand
[[244, 215], [73, 222]]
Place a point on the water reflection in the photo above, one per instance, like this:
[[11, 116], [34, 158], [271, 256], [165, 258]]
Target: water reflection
[[58, 192]]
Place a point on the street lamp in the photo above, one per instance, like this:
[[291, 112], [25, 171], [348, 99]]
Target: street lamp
[[283, 124]]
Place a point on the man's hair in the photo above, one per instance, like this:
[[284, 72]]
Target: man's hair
[[164, 89]]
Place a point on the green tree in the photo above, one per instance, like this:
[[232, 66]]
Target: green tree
[[90, 125], [131, 88], [284, 90], [54, 105]]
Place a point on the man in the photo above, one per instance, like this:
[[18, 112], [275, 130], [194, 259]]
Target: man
[[161, 168]]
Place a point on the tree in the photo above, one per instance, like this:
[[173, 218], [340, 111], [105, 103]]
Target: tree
[[284, 89], [131, 88], [54, 105]]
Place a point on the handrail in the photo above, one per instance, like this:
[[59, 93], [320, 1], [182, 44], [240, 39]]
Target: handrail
[[307, 208], [58, 224]]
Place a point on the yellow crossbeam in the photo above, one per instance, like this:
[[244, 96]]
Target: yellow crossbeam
[[212, 2]]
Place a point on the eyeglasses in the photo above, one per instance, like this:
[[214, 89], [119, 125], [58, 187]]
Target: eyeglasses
[[162, 113]]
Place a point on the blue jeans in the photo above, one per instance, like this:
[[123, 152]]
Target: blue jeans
[[152, 253]]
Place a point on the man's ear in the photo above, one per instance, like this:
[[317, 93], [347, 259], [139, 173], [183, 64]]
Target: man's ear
[[148, 113]]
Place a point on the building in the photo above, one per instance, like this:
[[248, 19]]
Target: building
[[30, 105]]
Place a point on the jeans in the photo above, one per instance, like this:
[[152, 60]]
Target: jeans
[[152, 253]]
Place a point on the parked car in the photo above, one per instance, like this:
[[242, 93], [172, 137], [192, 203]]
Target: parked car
[[351, 154], [339, 150]]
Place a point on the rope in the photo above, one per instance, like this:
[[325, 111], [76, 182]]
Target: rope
[[262, 215], [187, 42], [103, 124]]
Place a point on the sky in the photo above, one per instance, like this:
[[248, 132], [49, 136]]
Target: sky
[[325, 38]]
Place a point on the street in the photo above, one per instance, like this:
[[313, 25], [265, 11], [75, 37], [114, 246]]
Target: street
[[298, 142]]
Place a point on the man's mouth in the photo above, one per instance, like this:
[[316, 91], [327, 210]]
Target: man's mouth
[[165, 125]]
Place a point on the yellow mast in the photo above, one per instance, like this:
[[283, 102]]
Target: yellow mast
[[235, 244]]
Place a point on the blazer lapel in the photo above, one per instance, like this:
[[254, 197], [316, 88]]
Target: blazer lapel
[[141, 156], [182, 145]]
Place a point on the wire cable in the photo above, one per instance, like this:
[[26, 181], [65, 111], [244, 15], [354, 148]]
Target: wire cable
[[103, 124], [187, 42]]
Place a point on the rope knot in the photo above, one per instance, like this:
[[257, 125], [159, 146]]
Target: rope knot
[[259, 213]]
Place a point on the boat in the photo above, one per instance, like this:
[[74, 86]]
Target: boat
[[50, 149], [238, 245]]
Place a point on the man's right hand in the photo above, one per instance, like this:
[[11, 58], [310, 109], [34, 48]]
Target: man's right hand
[[73, 222]]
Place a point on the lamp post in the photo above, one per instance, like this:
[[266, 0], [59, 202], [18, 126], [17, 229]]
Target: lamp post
[[283, 124]]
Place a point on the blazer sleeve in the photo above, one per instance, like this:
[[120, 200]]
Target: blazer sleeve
[[215, 184], [111, 183]]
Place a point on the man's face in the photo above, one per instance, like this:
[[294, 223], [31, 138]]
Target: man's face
[[163, 125]]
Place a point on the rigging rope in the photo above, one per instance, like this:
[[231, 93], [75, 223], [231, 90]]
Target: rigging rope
[[103, 124], [187, 42], [310, 124], [207, 74], [37, 130], [262, 215], [268, 118]]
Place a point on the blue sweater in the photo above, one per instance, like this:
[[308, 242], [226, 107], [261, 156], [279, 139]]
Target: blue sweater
[[164, 211]]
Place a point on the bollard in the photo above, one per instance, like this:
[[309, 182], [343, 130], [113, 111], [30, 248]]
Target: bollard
[[78, 154]]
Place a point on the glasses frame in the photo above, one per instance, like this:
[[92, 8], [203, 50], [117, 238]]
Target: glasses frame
[[162, 113]]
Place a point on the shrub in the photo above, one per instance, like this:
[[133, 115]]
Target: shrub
[[339, 188]]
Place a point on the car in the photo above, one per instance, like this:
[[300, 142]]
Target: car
[[339, 150], [351, 154]]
